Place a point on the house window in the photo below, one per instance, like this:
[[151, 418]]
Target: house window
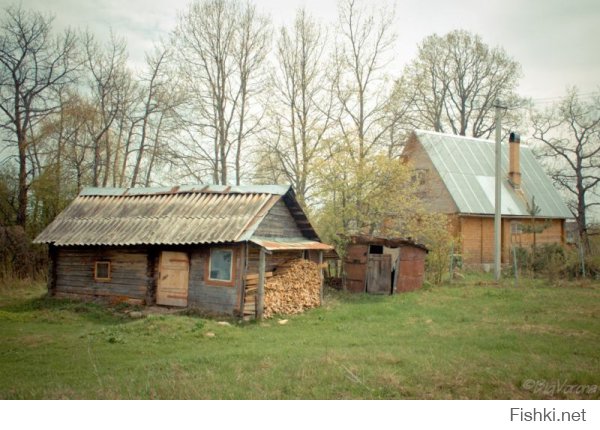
[[220, 266], [516, 227], [102, 271]]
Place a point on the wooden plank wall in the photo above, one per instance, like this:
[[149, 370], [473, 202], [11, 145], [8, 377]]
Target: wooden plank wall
[[278, 223], [218, 299], [75, 273], [272, 260]]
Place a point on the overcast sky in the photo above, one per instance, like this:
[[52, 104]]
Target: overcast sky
[[555, 41]]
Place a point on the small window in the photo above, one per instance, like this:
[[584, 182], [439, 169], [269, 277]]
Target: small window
[[102, 271], [516, 227], [221, 265]]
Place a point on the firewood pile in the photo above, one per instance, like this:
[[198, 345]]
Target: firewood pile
[[294, 287]]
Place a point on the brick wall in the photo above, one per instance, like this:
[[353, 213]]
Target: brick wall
[[433, 190], [477, 238]]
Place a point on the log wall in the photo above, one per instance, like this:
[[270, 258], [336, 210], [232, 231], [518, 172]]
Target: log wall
[[219, 299], [133, 276], [128, 280]]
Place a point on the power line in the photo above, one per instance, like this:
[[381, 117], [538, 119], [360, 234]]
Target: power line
[[550, 100]]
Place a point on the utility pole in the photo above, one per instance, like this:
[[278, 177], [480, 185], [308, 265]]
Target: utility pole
[[498, 201]]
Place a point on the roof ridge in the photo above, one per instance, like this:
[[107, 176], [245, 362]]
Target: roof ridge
[[271, 189], [458, 136]]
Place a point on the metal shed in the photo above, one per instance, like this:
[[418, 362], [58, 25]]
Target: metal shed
[[380, 265]]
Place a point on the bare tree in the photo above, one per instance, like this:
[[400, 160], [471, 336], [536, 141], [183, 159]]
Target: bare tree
[[154, 81], [222, 46], [361, 92], [301, 104], [452, 84], [110, 86], [360, 85], [33, 64], [570, 134]]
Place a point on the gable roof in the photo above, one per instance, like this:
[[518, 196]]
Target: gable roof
[[466, 166], [182, 215]]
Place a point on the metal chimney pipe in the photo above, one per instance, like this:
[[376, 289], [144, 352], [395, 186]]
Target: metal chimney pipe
[[514, 160]]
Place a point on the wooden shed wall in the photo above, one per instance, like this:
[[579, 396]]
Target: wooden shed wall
[[278, 222], [272, 260], [220, 299], [129, 273], [133, 276]]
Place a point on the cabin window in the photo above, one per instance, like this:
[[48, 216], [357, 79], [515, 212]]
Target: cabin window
[[102, 271], [220, 266]]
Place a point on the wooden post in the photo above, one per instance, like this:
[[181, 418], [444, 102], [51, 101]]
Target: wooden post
[[321, 274], [260, 293]]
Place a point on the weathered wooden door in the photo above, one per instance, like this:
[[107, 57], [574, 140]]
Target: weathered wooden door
[[173, 277], [379, 274]]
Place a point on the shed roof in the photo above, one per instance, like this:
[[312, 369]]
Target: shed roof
[[182, 215], [388, 242], [466, 165], [290, 244]]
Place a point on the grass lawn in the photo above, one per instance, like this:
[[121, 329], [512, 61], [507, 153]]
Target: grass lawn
[[466, 340]]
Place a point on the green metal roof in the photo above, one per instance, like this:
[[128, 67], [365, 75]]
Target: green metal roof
[[466, 165]]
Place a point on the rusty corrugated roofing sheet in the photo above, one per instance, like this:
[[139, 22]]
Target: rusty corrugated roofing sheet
[[290, 244], [166, 216]]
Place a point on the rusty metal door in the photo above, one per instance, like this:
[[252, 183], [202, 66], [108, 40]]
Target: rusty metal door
[[173, 277], [379, 274], [355, 268]]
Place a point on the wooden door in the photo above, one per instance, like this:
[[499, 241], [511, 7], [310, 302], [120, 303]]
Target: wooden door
[[379, 274], [173, 277]]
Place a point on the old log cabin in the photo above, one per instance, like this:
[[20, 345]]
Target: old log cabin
[[457, 175], [193, 246]]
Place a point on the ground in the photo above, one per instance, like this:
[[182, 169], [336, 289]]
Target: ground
[[471, 339]]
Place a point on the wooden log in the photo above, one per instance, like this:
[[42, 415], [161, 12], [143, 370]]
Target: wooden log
[[254, 276]]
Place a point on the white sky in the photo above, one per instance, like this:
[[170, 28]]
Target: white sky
[[556, 41]]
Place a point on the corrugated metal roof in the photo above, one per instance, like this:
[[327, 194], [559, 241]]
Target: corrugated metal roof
[[466, 165], [286, 244], [177, 215]]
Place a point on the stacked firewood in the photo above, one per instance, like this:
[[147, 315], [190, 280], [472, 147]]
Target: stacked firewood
[[294, 287]]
